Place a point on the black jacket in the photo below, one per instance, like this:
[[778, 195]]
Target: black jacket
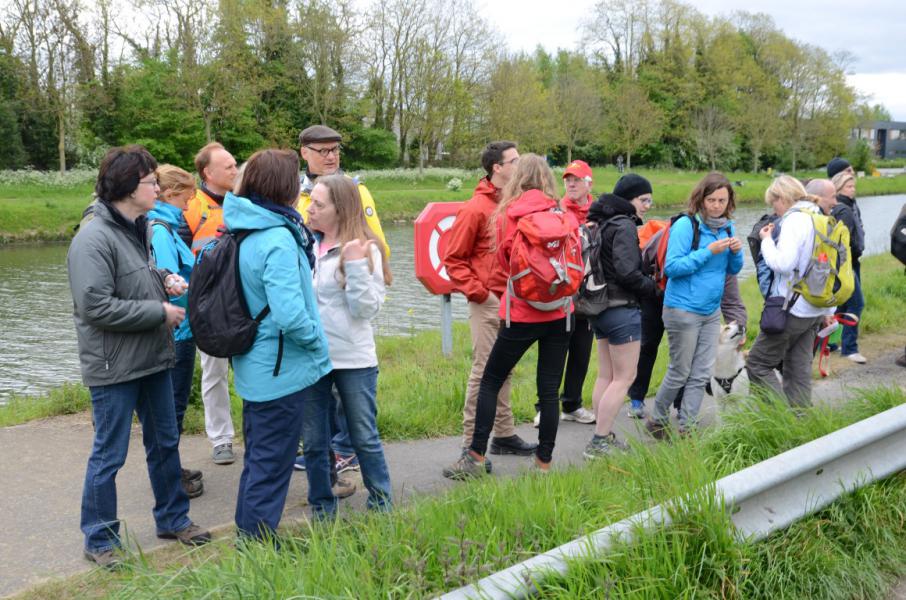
[[848, 211], [619, 256]]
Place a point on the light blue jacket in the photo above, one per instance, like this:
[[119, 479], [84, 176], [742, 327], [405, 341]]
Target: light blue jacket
[[695, 278], [274, 271], [171, 253]]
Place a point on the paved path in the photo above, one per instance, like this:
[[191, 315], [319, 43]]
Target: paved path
[[42, 465]]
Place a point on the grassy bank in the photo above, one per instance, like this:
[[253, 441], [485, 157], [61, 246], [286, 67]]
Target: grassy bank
[[420, 393], [854, 548], [48, 208]]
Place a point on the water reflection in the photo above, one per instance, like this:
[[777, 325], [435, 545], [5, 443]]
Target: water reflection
[[38, 349]]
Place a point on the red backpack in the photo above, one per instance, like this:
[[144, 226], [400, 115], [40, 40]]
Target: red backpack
[[545, 262], [653, 238]]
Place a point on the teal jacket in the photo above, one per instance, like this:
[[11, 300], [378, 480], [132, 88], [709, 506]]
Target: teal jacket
[[172, 254], [695, 278], [274, 271]]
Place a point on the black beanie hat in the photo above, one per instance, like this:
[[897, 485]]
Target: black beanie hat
[[630, 186], [836, 165]]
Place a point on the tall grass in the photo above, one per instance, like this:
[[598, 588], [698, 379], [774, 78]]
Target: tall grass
[[851, 549]]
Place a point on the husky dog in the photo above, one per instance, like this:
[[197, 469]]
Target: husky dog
[[729, 375]]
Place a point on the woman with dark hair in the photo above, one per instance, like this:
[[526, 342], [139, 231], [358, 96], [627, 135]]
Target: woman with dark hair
[[124, 323], [696, 276], [351, 273], [530, 190], [289, 352]]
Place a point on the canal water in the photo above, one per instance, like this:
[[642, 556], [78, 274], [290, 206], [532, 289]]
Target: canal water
[[38, 346]]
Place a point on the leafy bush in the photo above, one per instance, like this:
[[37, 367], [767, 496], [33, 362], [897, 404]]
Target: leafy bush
[[454, 184], [860, 156], [48, 178], [370, 148]]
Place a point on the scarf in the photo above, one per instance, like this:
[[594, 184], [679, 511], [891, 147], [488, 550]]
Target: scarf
[[293, 216], [715, 224]]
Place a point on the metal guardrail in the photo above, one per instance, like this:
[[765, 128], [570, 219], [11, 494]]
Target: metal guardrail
[[761, 499]]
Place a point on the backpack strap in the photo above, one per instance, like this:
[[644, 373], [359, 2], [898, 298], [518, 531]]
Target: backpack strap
[[240, 235]]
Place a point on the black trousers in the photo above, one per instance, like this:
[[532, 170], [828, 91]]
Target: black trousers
[[652, 334], [579, 354], [511, 344]]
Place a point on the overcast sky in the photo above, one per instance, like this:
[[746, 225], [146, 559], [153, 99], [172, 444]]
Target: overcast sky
[[874, 32]]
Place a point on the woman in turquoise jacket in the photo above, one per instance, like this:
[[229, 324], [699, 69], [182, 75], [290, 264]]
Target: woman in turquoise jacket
[[170, 252], [696, 272], [290, 350]]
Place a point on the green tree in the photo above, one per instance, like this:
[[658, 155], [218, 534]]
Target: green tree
[[632, 119]]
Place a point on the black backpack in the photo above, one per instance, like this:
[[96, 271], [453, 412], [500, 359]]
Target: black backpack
[[898, 237], [218, 313]]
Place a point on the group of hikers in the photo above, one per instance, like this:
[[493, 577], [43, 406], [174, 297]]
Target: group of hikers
[[160, 268]]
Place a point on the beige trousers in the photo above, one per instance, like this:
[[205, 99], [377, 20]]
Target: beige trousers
[[484, 323]]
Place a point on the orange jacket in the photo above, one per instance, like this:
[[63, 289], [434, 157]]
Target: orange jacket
[[469, 260], [203, 216]]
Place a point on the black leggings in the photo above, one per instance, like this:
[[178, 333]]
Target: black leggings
[[580, 342], [512, 342]]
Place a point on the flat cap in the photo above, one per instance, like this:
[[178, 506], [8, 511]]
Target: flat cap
[[318, 133]]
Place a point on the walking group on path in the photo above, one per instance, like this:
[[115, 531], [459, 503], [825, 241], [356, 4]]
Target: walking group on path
[[278, 277]]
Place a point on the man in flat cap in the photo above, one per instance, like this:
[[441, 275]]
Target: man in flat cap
[[320, 148]]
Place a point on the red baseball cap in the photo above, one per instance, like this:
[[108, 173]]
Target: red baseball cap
[[578, 168]]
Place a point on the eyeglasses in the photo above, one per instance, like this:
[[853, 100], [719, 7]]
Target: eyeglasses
[[512, 161], [151, 182], [325, 152], [648, 201]]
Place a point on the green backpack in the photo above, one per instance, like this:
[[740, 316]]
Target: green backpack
[[828, 280]]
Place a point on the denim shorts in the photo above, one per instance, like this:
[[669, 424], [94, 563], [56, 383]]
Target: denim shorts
[[618, 325]]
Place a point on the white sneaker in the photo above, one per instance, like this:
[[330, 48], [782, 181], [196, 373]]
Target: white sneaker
[[580, 415], [857, 358], [537, 420]]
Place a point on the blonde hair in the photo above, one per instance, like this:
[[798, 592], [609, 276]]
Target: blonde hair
[[532, 173], [171, 177], [841, 179], [788, 190], [344, 194]]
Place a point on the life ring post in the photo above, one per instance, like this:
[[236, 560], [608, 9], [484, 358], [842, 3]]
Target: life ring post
[[446, 324]]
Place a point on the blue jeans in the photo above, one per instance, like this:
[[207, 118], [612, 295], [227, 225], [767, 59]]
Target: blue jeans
[[315, 435], [849, 339], [151, 398], [271, 432], [181, 374], [357, 389], [339, 429]]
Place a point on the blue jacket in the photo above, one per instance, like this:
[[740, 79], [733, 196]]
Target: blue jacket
[[171, 253], [274, 271], [695, 279]]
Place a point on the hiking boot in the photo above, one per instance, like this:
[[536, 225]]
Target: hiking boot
[[601, 445], [223, 454], [580, 415], [537, 420], [343, 488], [512, 445], [347, 462], [658, 431], [193, 535], [467, 466], [488, 467], [192, 487], [190, 475], [541, 467], [857, 358], [299, 464], [636, 410], [901, 360], [106, 559]]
